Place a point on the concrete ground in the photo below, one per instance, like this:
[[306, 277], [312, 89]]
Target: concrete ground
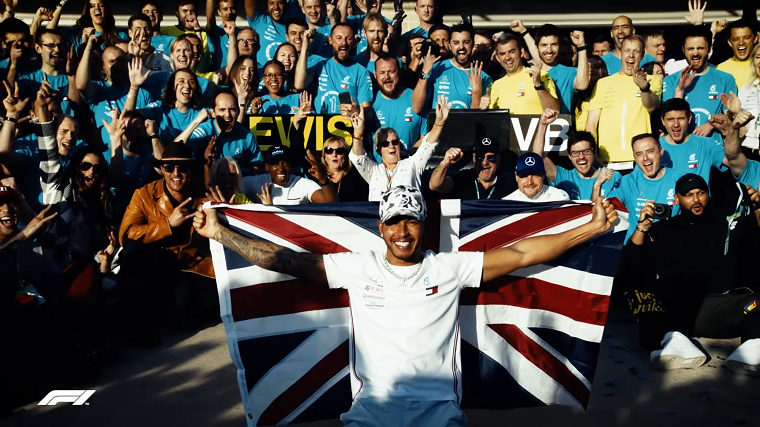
[[190, 381]]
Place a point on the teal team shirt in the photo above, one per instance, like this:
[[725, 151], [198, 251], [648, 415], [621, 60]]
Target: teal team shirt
[[108, 98], [335, 78], [447, 79], [240, 144], [29, 84], [579, 188], [272, 34], [614, 64], [162, 43], [564, 81], [398, 114], [172, 122], [751, 174], [697, 155], [703, 95], [288, 104], [635, 189]]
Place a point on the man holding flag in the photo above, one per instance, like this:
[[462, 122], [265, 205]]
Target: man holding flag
[[405, 332]]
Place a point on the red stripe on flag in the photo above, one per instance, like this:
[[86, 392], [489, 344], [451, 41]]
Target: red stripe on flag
[[287, 230], [306, 386], [544, 360], [537, 294], [280, 298], [535, 223]]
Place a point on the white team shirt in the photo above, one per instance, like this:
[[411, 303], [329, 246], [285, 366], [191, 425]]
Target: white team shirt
[[298, 191], [382, 179], [547, 194], [404, 341], [158, 62]]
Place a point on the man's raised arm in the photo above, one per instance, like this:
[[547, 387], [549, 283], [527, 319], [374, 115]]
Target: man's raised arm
[[538, 250], [267, 255], [539, 139]]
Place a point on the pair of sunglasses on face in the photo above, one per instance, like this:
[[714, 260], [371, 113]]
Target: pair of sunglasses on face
[[169, 168], [492, 158], [339, 150], [85, 166], [393, 142]]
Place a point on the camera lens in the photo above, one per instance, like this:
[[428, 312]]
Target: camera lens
[[659, 210]]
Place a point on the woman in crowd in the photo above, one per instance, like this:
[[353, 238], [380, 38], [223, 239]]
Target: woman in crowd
[[242, 80], [225, 182], [278, 100], [348, 183], [179, 104], [288, 56], [96, 18], [748, 100], [596, 70]]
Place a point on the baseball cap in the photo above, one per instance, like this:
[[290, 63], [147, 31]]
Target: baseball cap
[[402, 201], [275, 153], [689, 182], [530, 164], [9, 193], [486, 144]]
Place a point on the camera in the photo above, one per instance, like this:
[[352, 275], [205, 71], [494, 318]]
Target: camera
[[428, 45], [661, 211]]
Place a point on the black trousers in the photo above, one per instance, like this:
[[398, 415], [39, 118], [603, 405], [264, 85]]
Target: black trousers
[[726, 315]]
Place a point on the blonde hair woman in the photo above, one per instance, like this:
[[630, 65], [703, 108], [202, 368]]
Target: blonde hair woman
[[351, 187], [225, 182], [748, 100]]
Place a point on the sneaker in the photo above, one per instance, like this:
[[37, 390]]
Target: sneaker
[[678, 352], [746, 358]]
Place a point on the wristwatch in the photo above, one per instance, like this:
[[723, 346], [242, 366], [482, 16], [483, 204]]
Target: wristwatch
[[424, 76], [540, 87]]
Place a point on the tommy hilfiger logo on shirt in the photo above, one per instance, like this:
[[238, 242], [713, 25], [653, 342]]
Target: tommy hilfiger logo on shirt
[[431, 290], [344, 83]]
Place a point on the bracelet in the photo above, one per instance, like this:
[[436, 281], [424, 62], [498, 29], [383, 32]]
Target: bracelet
[[10, 119], [582, 48], [523, 33], [62, 4], [360, 136], [647, 89], [9, 10], [641, 231], [440, 124], [153, 136]]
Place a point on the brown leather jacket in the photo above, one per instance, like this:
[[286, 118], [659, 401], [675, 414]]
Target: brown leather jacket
[[146, 220]]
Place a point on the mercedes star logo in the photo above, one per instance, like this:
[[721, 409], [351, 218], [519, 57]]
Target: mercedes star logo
[[530, 161], [486, 141]]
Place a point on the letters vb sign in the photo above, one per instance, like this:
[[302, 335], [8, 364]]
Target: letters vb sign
[[75, 397], [315, 129], [523, 128]]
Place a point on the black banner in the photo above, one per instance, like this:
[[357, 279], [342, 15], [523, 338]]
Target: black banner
[[513, 131]]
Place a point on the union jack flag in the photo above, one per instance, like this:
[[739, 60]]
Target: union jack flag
[[530, 338]]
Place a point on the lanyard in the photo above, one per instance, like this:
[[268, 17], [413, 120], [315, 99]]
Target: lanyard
[[477, 189], [389, 176]]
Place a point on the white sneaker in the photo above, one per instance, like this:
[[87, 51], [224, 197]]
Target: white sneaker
[[678, 352], [746, 358]]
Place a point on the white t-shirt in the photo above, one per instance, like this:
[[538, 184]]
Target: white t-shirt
[[405, 336], [749, 95], [382, 179], [158, 62], [298, 191], [547, 194]]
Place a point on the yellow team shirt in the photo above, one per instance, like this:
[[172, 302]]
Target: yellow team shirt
[[176, 32], [517, 93], [582, 117], [623, 114], [740, 70]]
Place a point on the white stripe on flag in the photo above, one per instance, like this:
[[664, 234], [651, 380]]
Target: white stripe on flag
[[568, 278], [290, 323]]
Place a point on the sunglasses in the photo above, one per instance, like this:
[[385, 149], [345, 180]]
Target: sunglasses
[[385, 144], [339, 150], [169, 168], [492, 158], [85, 166]]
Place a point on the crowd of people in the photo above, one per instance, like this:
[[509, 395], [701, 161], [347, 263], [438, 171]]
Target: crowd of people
[[113, 138]]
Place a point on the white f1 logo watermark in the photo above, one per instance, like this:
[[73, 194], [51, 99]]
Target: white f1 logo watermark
[[76, 397]]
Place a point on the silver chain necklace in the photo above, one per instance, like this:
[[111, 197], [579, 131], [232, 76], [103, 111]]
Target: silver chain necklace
[[403, 279]]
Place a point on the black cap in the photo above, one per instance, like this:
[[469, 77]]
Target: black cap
[[275, 153], [175, 153], [486, 144], [10, 193], [689, 182]]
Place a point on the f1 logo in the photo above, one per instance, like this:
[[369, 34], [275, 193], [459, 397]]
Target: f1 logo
[[76, 397]]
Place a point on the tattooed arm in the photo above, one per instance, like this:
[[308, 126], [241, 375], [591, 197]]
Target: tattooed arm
[[267, 255]]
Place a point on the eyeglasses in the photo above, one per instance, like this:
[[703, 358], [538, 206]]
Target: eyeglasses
[[52, 46], [85, 166], [386, 143], [247, 41], [339, 150], [169, 168], [585, 152], [492, 158], [278, 76]]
